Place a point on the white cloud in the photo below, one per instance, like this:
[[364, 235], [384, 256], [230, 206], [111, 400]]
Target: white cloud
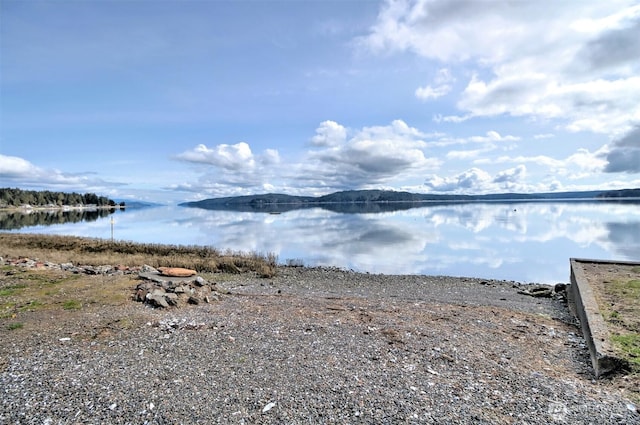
[[229, 157], [270, 157], [472, 180], [579, 164], [12, 166], [24, 174], [372, 155], [490, 140], [338, 159], [330, 133], [577, 62], [451, 118], [476, 180], [469, 154], [443, 86], [493, 136], [511, 175], [428, 92], [543, 136]]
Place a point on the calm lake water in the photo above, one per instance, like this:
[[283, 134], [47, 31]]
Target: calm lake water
[[525, 242]]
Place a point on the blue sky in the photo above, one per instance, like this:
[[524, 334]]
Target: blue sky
[[180, 100]]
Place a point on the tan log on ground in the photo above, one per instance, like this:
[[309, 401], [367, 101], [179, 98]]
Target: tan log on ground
[[176, 272]]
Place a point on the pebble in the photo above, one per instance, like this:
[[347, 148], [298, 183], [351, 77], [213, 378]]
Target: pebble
[[429, 354]]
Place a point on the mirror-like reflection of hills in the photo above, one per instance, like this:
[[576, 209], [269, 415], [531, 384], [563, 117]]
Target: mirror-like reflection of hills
[[379, 207], [524, 241], [14, 220]]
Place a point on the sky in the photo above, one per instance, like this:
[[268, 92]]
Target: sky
[[170, 101]]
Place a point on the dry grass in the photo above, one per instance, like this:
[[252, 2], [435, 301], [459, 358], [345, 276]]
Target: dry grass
[[88, 251]]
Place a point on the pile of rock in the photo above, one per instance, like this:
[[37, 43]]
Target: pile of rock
[[70, 267], [559, 291], [161, 288], [172, 286]]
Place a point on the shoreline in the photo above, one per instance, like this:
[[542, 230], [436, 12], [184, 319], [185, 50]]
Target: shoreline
[[25, 209], [312, 345]]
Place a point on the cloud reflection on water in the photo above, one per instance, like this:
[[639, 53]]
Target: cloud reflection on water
[[519, 241]]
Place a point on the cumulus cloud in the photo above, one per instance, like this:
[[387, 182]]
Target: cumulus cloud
[[229, 157], [22, 173], [369, 156], [473, 179], [230, 169], [476, 180], [512, 175], [338, 158], [330, 133], [13, 166], [578, 65], [624, 154]]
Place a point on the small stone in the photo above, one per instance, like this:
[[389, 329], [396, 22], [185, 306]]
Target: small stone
[[268, 407], [560, 287], [148, 269], [141, 294], [172, 299], [200, 281]]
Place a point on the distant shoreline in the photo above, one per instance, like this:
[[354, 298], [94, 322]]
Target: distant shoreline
[[63, 208], [262, 202]]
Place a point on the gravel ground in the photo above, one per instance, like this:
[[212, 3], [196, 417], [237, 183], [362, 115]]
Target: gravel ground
[[314, 346]]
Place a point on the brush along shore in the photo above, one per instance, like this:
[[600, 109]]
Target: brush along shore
[[92, 251]]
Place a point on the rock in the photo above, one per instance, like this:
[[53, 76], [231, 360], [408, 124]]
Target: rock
[[141, 295], [172, 299], [200, 281], [537, 291], [268, 407], [193, 300], [90, 270], [176, 272], [560, 287], [157, 300], [148, 269], [152, 276]]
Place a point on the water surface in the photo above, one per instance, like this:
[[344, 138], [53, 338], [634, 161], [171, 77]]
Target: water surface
[[522, 241]]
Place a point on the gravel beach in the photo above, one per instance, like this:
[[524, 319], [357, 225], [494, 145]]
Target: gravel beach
[[313, 345]]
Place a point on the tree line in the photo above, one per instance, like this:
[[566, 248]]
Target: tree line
[[44, 198]]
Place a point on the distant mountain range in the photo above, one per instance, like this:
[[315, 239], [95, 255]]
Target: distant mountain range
[[130, 204], [388, 200]]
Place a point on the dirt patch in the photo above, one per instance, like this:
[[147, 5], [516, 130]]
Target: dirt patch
[[24, 291]]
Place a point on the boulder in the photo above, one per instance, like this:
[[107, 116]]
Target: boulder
[[176, 272]]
